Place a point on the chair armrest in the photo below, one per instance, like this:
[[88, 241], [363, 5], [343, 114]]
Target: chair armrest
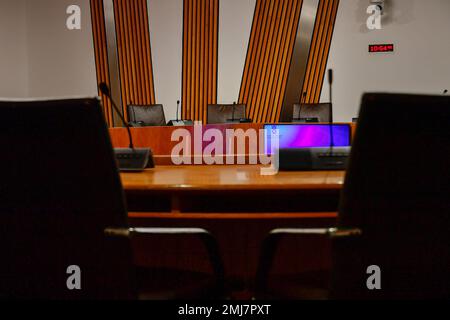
[[208, 240], [271, 242], [331, 232]]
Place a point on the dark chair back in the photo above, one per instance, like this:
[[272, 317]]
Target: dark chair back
[[146, 115], [59, 190], [321, 111], [223, 113], [397, 191]]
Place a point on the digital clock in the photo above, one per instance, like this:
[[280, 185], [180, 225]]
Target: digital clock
[[374, 48]]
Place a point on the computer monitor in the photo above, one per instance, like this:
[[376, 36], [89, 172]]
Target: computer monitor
[[307, 135]]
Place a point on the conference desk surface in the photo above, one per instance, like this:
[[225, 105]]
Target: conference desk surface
[[239, 206], [235, 189], [233, 177]]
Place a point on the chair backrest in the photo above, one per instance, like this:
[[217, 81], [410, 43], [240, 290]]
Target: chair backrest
[[397, 191], [150, 115], [321, 111], [59, 190], [223, 113]]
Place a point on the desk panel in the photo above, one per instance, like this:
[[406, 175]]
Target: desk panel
[[159, 139]]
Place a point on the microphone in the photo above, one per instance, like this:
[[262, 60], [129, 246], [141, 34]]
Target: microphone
[[234, 111], [323, 158], [131, 159], [178, 121], [105, 90], [330, 83], [299, 118], [445, 92], [239, 120]]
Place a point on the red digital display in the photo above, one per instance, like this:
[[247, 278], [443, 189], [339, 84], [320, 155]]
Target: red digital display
[[381, 48]]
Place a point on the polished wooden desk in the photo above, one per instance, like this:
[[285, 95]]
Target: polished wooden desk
[[228, 177], [177, 188], [239, 206]]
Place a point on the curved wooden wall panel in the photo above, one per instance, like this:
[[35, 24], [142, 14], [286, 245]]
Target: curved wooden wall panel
[[135, 59], [320, 49], [200, 49], [268, 59], [101, 53]]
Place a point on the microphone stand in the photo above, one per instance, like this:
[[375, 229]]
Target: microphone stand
[[330, 82], [131, 159], [239, 120], [179, 122], [233, 113]]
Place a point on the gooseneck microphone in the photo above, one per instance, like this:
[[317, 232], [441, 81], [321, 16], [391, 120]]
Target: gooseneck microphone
[[178, 110], [131, 159], [329, 157], [330, 84], [233, 112], [179, 118], [105, 90], [233, 116]]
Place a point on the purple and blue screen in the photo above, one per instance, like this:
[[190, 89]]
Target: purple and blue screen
[[307, 135]]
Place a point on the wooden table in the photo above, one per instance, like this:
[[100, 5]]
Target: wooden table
[[239, 206], [174, 189], [228, 177]]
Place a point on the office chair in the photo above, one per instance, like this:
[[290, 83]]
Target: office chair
[[225, 113], [319, 112], [146, 115], [59, 191], [394, 210]]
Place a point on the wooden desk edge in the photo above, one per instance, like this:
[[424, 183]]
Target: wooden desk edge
[[233, 216]]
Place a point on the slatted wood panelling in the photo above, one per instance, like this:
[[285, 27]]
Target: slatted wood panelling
[[200, 42], [320, 48], [101, 54], [268, 59], [135, 59]]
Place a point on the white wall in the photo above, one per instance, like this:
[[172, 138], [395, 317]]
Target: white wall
[[13, 49], [421, 62], [166, 37], [40, 57], [235, 22], [61, 62]]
